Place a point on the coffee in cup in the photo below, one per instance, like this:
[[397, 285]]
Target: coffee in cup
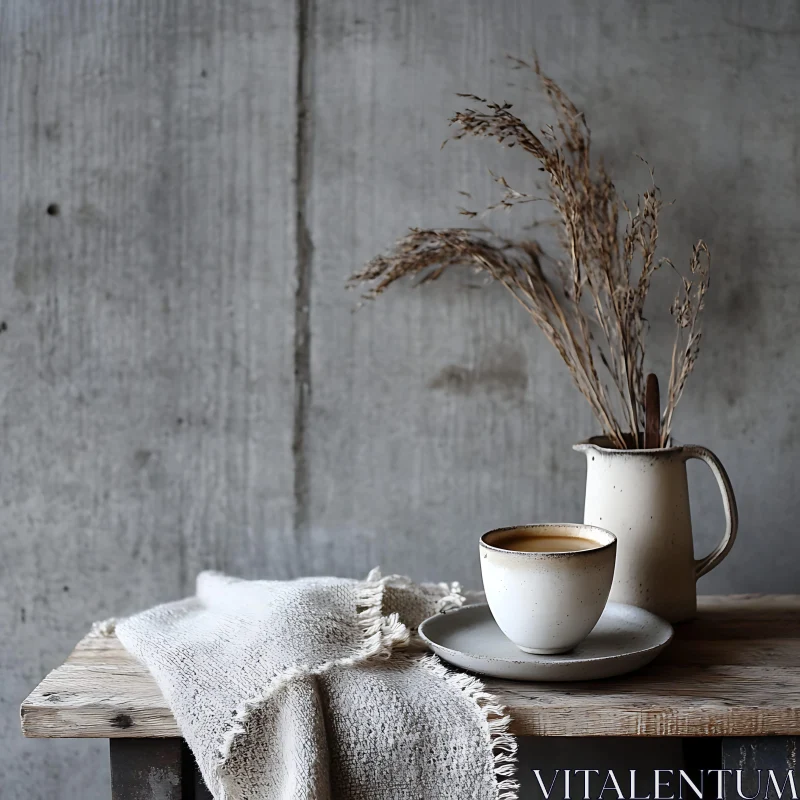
[[547, 585]]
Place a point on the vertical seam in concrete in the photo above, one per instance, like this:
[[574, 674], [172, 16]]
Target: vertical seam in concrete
[[302, 297]]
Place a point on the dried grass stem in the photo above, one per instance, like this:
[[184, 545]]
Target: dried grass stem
[[590, 301]]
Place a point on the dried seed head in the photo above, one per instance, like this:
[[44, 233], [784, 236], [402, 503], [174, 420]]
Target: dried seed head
[[588, 302]]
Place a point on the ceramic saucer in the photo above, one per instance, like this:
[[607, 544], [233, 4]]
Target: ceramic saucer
[[626, 638]]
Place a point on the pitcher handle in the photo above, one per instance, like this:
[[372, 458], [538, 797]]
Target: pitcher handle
[[704, 565]]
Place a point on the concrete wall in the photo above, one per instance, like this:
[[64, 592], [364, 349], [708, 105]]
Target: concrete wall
[[185, 187]]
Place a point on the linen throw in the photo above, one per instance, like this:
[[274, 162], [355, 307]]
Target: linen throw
[[318, 689]]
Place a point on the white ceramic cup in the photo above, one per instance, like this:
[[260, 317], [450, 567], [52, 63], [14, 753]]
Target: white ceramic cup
[[547, 600]]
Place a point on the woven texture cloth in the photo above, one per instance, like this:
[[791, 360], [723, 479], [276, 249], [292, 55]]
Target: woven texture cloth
[[317, 689]]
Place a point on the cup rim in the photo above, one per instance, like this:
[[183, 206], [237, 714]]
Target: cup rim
[[575, 527]]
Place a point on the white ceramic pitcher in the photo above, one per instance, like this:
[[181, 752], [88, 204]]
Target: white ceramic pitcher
[[642, 496]]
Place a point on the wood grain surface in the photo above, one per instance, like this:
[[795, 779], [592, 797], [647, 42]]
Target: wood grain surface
[[731, 672]]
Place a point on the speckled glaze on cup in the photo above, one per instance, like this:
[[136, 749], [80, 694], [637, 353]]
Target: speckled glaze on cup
[[547, 602]]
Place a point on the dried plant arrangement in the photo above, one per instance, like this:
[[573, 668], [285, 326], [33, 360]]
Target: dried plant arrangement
[[589, 299]]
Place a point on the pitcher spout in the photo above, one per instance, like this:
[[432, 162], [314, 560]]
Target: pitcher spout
[[586, 444], [603, 443]]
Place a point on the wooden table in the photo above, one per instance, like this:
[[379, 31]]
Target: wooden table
[[732, 677]]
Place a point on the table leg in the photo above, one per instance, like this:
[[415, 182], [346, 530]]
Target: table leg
[[758, 760], [701, 754], [151, 769], [201, 791]]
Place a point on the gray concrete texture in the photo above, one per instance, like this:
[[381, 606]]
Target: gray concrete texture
[[186, 186]]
